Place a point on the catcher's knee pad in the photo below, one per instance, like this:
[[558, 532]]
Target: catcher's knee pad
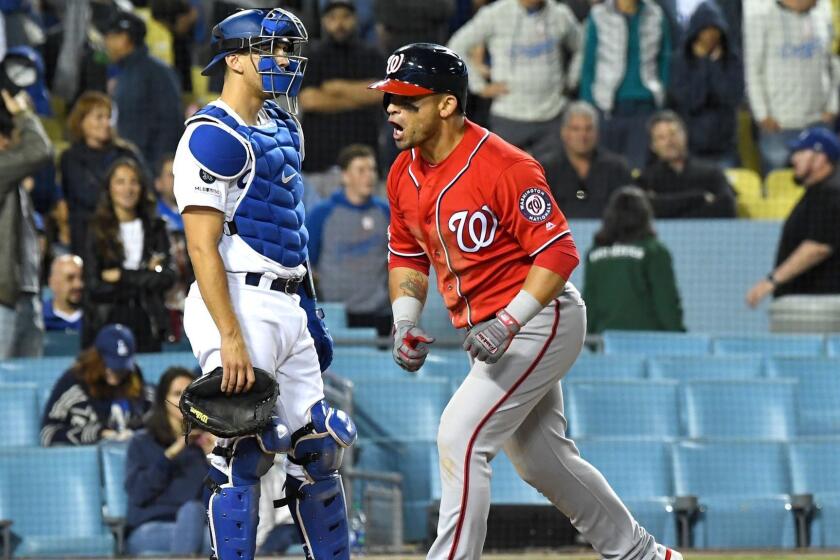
[[233, 513], [317, 504]]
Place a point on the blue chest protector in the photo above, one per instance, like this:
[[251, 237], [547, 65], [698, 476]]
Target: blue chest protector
[[270, 214]]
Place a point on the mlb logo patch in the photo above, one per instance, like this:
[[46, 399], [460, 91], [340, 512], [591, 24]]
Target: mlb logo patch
[[535, 205]]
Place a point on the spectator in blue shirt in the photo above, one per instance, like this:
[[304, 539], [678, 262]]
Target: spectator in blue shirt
[[165, 187], [164, 478], [348, 243], [63, 312]]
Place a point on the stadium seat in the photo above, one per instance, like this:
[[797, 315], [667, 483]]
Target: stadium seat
[[622, 408], [747, 186], [755, 409], [815, 465], [832, 346], [154, 365], [335, 314], [742, 489], [365, 362], [61, 343], [53, 497], [403, 409], [655, 343], [687, 368], [641, 474], [113, 456], [20, 415], [818, 406], [607, 366], [44, 372], [506, 487], [770, 345], [782, 193]]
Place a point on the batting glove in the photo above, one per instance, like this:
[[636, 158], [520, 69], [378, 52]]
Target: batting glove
[[411, 345], [487, 341]]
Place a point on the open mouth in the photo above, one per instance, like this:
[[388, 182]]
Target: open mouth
[[398, 131]]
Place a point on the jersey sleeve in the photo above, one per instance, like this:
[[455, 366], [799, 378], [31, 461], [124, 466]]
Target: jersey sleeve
[[194, 186], [403, 248], [525, 207]]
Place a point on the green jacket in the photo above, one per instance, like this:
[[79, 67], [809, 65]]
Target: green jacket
[[631, 287], [22, 159]]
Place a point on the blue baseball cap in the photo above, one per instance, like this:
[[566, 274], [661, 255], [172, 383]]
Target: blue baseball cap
[[818, 139], [116, 345]]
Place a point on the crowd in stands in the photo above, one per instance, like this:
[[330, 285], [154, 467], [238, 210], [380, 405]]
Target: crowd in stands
[[635, 108], [661, 105]]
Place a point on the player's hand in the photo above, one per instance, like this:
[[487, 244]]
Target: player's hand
[[759, 291], [411, 345], [494, 90], [487, 341], [770, 125], [237, 371], [829, 117]]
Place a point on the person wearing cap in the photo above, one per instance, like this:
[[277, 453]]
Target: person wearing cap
[[239, 189], [101, 397], [805, 282], [146, 91], [338, 108]]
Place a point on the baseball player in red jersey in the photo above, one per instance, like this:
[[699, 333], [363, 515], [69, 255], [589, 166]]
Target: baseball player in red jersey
[[479, 210]]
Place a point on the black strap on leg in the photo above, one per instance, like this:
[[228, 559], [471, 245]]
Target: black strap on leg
[[291, 494]]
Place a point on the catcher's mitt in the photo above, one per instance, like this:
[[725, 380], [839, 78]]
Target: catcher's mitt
[[206, 406]]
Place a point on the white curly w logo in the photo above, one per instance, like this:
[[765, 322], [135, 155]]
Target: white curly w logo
[[480, 227], [395, 61]]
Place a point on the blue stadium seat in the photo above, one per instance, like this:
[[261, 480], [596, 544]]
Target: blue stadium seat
[[61, 343], [44, 372], [20, 415], [770, 345], [364, 362], [607, 366], [743, 489], [641, 474], [335, 314], [622, 408], [154, 365], [417, 462], [53, 496], [403, 409], [113, 456], [507, 488], [755, 409], [832, 345], [818, 410], [656, 343], [815, 465], [687, 368]]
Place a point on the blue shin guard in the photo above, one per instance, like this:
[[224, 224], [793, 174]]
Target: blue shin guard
[[234, 515], [233, 507], [317, 504]]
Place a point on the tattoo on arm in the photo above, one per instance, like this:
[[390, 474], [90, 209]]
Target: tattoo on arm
[[415, 285]]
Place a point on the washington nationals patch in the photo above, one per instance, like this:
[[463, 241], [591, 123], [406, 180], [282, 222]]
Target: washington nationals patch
[[535, 205]]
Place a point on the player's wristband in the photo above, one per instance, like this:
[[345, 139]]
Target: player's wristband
[[523, 307], [406, 308]]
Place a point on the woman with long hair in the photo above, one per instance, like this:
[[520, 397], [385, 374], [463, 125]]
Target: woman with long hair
[[629, 281], [101, 397], [164, 478], [94, 147], [127, 261]]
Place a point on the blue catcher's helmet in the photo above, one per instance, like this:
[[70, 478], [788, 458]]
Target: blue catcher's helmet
[[264, 33]]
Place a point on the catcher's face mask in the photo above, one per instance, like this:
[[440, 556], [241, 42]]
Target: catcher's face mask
[[280, 63]]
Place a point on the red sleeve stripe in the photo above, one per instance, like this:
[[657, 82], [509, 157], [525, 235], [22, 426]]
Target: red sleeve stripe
[[550, 241], [409, 255]]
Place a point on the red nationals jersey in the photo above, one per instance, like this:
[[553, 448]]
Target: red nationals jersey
[[479, 217]]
